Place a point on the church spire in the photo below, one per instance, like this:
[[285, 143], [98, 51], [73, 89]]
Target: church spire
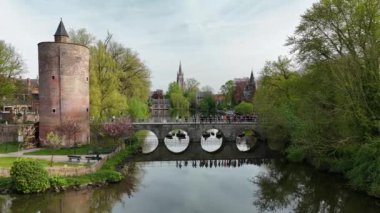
[[252, 78], [180, 68], [180, 77]]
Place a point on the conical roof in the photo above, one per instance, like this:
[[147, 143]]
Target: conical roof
[[61, 31]]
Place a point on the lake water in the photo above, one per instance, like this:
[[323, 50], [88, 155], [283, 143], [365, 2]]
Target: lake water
[[244, 185]]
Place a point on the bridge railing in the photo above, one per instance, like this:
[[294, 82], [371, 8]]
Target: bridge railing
[[201, 120]]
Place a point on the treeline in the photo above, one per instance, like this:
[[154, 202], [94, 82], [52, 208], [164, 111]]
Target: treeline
[[191, 100], [324, 106], [119, 80]]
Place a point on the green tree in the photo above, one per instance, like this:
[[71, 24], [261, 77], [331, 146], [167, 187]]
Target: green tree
[[106, 100], [117, 75], [54, 141], [244, 108], [179, 103], [343, 38], [173, 88], [137, 109], [11, 66], [81, 36], [328, 111], [208, 105], [191, 91], [227, 91]]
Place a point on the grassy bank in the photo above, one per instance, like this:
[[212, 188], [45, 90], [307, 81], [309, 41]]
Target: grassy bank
[[108, 173], [80, 150], [7, 162]]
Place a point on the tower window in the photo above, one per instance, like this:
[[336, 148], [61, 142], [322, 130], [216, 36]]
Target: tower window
[[53, 110], [86, 78], [87, 109], [53, 77]]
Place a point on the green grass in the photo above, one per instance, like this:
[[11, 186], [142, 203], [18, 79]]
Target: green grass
[[82, 150], [9, 147], [7, 162], [107, 173]]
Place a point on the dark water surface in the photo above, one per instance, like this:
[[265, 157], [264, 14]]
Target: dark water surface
[[206, 186]]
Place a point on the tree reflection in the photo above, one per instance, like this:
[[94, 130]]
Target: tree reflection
[[302, 189], [102, 200]]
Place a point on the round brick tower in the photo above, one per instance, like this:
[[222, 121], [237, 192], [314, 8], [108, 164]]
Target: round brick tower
[[63, 86]]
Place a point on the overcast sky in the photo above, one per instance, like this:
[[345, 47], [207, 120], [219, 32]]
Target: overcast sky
[[216, 40]]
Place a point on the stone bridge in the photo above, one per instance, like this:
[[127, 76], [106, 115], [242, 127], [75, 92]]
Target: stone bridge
[[195, 129]]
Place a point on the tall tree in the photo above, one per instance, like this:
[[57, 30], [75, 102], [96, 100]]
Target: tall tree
[[11, 66], [118, 78], [208, 105], [179, 103], [343, 38], [191, 91], [81, 36], [227, 90]]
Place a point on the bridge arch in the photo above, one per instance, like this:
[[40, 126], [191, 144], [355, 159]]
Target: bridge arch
[[194, 130], [212, 140], [148, 139], [177, 140], [246, 139]]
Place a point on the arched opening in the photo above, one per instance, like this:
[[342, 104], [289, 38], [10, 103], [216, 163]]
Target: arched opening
[[148, 140], [211, 140], [246, 140], [177, 140]]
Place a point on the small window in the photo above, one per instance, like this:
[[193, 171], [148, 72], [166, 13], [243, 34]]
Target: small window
[[86, 78], [53, 77], [53, 110], [87, 109]]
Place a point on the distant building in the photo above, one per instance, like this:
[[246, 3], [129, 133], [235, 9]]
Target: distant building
[[180, 77], [159, 105], [219, 98], [33, 93], [158, 94], [245, 89], [24, 105]]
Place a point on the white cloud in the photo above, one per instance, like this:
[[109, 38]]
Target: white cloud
[[216, 40]]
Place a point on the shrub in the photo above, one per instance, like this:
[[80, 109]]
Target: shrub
[[107, 176], [56, 181], [29, 176], [295, 154], [365, 174]]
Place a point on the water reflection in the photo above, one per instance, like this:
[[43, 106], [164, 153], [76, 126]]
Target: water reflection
[[100, 199], [211, 140], [246, 140], [303, 189], [150, 143], [236, 185], [177, 141]]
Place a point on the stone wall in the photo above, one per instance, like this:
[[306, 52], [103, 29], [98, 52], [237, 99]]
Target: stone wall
[[9, 132]]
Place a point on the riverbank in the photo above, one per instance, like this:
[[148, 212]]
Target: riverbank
[[109, 172]]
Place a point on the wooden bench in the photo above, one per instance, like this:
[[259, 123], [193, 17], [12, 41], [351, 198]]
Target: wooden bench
[[98, 158], [76, 157]]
